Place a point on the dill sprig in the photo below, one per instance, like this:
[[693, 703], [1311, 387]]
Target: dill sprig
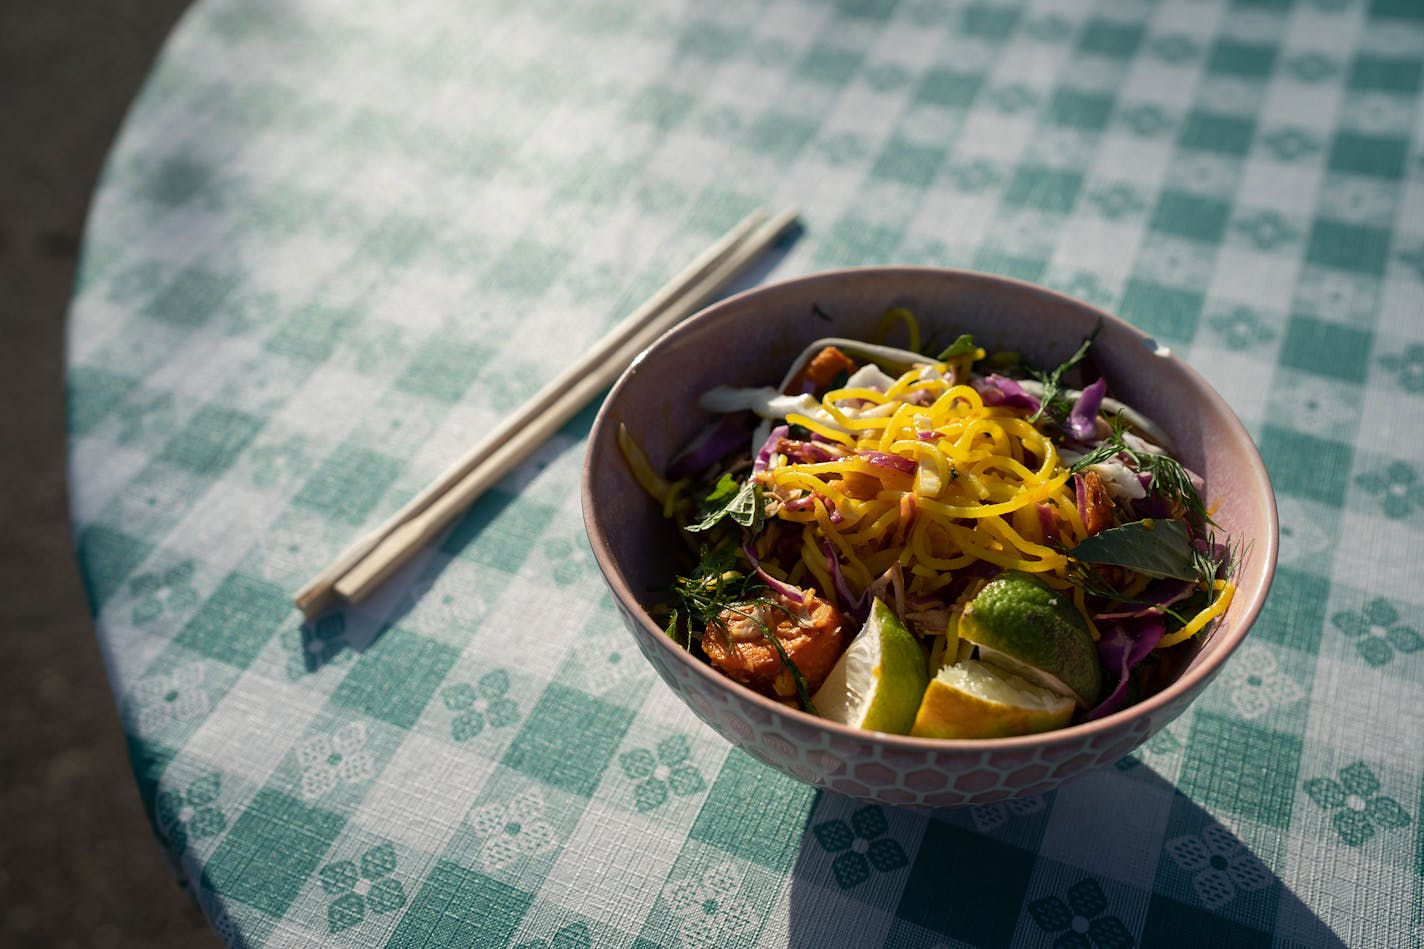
[[1052, 401], [1169, 476], [718, 586]]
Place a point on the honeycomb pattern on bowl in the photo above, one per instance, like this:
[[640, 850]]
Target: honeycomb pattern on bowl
[[914, 773]]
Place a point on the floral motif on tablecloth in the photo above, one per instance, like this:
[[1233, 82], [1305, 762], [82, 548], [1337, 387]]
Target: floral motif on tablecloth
[[136, 282], [572, 560], [1241, 327], [1080, 919], [990, 817], [709, 910], [1311, 67], [359, 886], [316, 644], [860, 846], [1378, 632], [1268, 230], [1219, 864], [1306, 538], [1357, 808], [975, 176], [1290, 143], [177, 696], [1397, 486], [1407, 365], [156, 416], [1255, 683], [1174, 48], [844, 148], [572, 936], [1337, 295], [658, 771], [1090, 288], [338, 758], [374, 344], [190, 814], [605, 662], [1013, 98], [481, 704], [1146, 120], [170, 591], [272, 464], [887, 77], [513, 829]]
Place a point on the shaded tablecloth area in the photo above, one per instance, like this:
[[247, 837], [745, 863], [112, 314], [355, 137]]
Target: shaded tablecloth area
[[333, 244]]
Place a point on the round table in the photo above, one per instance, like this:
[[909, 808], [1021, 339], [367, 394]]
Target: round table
[[335, 242]]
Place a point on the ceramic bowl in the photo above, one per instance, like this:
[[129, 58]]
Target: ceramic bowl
[[749, 340]]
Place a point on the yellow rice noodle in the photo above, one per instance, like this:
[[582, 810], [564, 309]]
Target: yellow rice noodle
[[981, 473]]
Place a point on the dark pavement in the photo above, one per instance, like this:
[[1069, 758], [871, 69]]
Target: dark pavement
[[78, 863]]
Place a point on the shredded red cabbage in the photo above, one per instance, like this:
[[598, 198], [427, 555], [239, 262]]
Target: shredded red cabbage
[[768, 448], [1122, 647], [1048, 523], [711, 445], [1163, 594], [1083, 419], [850, 604], [805, 452], [791, 593], [893, 462], [995, 389]]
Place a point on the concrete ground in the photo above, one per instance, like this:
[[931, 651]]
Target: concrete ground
[[78, 863]]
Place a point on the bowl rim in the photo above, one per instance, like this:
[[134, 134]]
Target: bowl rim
[[1194, 677]]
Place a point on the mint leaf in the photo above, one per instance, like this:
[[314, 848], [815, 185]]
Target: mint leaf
[[740, 502], [1158, 548]]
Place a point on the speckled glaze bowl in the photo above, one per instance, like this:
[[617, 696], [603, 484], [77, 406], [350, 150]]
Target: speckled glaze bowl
[[749, 340]]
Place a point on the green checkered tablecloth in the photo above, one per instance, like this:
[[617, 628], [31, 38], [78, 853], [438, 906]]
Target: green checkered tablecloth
[[337, 240]]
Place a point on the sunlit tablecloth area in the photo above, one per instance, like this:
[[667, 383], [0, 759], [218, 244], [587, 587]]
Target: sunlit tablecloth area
[[336, 242]]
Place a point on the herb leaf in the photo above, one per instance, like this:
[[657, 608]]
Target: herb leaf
[[740, 501], [1169, 476], [1157, 548], [1052, 382], [719, 586], [963, 346]]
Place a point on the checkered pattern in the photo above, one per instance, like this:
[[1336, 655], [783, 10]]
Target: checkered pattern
[[335, 240]]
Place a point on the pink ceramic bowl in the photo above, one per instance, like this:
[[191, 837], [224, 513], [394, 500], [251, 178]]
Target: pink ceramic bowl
[[749, 340]]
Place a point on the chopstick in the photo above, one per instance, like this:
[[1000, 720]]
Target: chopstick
[[368, 562]]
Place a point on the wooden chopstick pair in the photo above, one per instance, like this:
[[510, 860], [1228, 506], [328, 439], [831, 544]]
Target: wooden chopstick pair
[[364, 565]]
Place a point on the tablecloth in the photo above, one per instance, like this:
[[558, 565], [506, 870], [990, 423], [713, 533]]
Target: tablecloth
[[336, 241]]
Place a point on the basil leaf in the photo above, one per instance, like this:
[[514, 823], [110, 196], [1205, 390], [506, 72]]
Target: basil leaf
[[963, 346], [740, 502], [1158, 548]]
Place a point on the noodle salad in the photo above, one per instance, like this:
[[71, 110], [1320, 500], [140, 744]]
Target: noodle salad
[[1036, 544]]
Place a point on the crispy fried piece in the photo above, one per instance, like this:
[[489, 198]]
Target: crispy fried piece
[[1098, 506], [821, 371], [812, 633]]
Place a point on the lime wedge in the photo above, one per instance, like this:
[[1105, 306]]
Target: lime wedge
[[973, 699], [879, 680], [1021, 625]]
